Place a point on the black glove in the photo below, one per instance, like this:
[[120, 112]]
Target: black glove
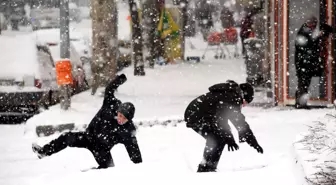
[[249, 138], [326, 28], [232, 145], [120, 79]]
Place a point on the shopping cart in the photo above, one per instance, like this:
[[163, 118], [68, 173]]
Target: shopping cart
[[222, 40]]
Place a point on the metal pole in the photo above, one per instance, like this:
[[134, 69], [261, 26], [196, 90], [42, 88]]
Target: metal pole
[[184, 10], [65, 49]]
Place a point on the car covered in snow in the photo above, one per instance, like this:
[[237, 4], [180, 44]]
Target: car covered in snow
[[27, 72], [24, 79]]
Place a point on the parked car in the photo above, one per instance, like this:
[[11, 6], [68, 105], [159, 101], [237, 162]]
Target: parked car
[[24, 78], [50, 39], [27, 73]]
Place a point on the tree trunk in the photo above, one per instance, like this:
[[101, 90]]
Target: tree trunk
[[151, 17], [139, 68], [104, 42]]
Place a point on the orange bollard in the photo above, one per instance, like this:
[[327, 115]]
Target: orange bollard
[[64, 72]]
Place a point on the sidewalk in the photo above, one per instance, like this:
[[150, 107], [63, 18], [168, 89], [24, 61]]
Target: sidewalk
[[163, 94]]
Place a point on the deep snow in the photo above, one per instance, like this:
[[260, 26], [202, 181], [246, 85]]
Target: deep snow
[[170, 154]]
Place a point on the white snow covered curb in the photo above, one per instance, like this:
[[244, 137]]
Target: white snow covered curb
[[47, 130], [315, 150]]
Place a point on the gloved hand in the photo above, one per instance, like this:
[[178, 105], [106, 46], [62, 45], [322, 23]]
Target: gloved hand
[[258, 148], [122, 78], [326, 28], [253, 143], [249, 138], [232, 145]]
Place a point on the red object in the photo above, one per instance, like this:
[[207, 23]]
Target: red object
[[230, 36], [215, 38], [38, 83], [251, 35]]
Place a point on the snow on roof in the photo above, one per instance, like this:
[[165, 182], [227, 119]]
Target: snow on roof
[[18, 57]]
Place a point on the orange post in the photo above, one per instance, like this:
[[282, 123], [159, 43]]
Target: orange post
[[64, 72]]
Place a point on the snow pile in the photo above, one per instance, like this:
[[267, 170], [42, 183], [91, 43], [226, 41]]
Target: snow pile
[[316, 151]]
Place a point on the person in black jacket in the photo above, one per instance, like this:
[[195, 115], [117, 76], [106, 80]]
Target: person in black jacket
[[208, 115], [110, 126], [308, 57]]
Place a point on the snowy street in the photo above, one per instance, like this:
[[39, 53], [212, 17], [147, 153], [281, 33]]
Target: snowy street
[[170, 154], [166, 150], [166, 54]]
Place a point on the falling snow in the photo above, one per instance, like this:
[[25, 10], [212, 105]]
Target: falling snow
[[174, 53]]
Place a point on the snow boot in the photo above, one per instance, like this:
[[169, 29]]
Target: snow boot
[[38, 150], [205, 168]]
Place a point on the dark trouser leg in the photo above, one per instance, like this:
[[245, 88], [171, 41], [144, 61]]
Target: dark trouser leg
[[103, 157], [212, 152], [79, 139], [243, 47], [303, 85]]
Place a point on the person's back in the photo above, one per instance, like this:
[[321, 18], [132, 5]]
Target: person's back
[[307, 47], [207, 106]]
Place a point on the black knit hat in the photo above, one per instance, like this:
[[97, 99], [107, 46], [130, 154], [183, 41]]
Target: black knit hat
[[127, 109], [248, 91]]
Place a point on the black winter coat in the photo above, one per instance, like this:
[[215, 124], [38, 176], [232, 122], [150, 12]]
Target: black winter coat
[[308, 51], [104, 127], [223, 102]]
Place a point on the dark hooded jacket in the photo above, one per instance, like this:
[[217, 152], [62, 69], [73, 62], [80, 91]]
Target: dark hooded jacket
[[104, 127], [247, 22], [308, 50], [223, 102]]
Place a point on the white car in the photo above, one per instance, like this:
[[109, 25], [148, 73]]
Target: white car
[[24, 77], [27, 72]]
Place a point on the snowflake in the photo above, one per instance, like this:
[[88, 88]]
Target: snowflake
[[301, 40]]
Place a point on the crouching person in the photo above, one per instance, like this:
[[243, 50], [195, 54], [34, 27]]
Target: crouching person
[[110, 126], [208, 115]]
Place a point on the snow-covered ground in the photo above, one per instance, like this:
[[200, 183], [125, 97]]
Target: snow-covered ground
[[315, 150], [170, 154]]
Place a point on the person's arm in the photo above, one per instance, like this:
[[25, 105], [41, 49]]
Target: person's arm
[[133, 150], [109, 98], [239, 122], [244, 130]]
